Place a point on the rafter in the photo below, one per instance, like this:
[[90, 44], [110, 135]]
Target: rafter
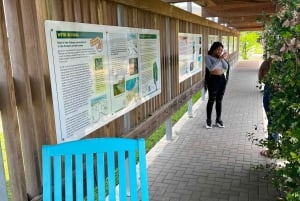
[[240, 14], [205, 3], [242, 19], [240, 6]]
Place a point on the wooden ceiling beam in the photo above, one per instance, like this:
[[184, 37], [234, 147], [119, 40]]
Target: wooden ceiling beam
[[220, 2], [238, 12], [202, 3], [246, 24], [242, 19], [174, 1], [258, 28], [240, 6], [205, 3]]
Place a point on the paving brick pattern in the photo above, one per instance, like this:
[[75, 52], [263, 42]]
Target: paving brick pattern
[[216, 164]]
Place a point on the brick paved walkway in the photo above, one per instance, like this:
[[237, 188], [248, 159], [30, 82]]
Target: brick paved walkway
[[216, 164]]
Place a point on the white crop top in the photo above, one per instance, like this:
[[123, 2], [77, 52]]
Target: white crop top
[[213, 63]]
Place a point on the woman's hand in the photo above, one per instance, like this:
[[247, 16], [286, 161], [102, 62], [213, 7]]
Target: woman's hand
[[224, 55]]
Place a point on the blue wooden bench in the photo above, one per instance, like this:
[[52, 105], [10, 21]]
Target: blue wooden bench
[[77, 170]]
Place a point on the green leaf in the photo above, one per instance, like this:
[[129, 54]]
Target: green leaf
[[297, 29], [293, 155]]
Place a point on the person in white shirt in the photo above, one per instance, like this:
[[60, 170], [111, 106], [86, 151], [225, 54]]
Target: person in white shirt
[[215, 81]]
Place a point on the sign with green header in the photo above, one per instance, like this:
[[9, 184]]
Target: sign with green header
[[99, 73]]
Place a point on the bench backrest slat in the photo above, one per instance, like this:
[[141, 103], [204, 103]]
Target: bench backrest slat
[[86, 170]]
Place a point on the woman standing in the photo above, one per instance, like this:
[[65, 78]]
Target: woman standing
[[216, 82], [263, 70]]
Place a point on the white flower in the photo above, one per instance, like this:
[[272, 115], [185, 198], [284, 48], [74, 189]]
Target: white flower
[[286, 23], [293, 45], [276, 58], [283, 48], [293, 41]]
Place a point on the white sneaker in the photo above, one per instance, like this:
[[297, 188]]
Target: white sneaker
[[220, 124], [208, 125]]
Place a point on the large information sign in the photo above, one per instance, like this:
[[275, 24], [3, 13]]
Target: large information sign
[[231, 44], [99, 73], [190, 55], [212, 39], [225, 43]]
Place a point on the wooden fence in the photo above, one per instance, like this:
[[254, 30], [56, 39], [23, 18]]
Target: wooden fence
[[25, 93]]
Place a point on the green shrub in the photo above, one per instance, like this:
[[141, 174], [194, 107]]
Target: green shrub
[[281, 39]]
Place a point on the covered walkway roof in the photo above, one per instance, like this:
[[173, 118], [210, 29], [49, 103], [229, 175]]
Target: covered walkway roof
[[242, 15]]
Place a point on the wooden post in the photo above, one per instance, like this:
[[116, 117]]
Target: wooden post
[[169, 96], [16, 26], [9, 118]]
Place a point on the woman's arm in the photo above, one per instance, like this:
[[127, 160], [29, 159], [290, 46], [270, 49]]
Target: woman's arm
[[211, 62], [223, 58], [224, 64]]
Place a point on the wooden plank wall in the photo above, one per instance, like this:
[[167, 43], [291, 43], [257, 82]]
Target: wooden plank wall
[[10, 118], [25, 92]]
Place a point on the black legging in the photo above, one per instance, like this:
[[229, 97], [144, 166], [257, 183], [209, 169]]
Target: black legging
[[216, 89]]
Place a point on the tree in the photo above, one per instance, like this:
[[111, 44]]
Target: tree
[[248, 41]]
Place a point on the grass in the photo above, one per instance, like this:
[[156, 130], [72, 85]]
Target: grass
[[160, 132], [5, 166], [253, 53]]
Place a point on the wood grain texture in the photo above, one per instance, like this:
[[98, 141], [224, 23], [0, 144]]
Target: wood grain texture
[[10, 118]]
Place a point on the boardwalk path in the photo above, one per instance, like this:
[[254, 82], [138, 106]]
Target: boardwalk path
[[216, 164]]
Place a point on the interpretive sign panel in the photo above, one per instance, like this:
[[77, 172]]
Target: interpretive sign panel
[[190, 55], [225, 43], [212, 39], [235, 42], [231, 43], [99, 73]]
